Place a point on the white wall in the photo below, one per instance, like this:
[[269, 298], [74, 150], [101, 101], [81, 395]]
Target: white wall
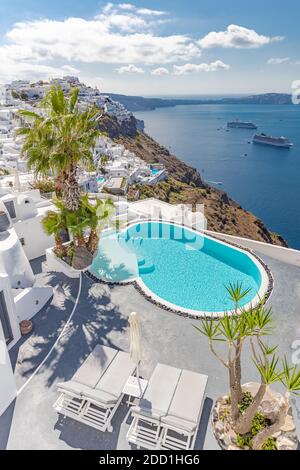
[[36, 240], [13, 261], [8, 390], [286, 255], [30, 301], [9, 300]]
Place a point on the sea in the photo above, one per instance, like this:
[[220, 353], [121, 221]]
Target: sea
[[263, 180]]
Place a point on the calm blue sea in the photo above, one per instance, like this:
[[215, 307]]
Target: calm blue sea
[[264, 180]]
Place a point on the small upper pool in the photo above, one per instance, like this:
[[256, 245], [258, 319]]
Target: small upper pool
[[100, 179], [179, 267]]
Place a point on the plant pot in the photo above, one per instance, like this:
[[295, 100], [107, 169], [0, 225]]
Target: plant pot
[[286, 438], [25, 327], [4, 221]]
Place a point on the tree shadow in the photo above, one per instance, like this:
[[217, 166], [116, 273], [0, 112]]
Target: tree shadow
[[30, 350], [95, 317]]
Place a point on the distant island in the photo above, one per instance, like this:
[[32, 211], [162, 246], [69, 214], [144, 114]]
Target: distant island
[[139, 103]]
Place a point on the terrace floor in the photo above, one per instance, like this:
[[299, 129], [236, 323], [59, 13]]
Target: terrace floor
[[101, 316]]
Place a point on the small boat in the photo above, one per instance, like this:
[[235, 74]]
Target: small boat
[[280, 142]]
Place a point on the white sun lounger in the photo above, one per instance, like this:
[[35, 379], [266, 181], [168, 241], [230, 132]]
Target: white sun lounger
[[145, 428], [181, 423], [169, 414], [94, 393]]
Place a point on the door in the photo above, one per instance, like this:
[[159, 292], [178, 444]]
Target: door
[[4, 319]]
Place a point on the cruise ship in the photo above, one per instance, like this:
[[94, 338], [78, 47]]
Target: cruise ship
[[264, 139], [241, 125]]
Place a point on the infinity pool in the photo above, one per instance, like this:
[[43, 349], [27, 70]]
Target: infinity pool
[[178, 266]]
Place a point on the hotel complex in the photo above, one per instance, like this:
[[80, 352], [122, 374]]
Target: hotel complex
[[106, 355]]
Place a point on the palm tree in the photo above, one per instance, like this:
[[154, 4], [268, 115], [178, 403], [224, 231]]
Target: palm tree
[[59, 140], [55, 223], [99, 214]]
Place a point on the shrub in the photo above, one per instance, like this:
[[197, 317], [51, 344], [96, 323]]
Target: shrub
[[246, 402], [270, 444]]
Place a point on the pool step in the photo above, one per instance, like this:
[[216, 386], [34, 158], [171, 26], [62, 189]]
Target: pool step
[[147, 268]]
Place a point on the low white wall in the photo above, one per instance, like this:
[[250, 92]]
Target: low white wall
[[8, 389], [286, 255], [14, 262], [35, 239], [10, 305], [58, 265], [30, 301]]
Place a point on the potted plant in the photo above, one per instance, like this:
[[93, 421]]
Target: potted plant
[[252, 416]]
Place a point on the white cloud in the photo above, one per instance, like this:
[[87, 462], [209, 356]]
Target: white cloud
[[160, 71], [190, 68], [278, 60], [119, 34], [126, 6], [236, 37], [130, 69], [148, 12], [71, 70]]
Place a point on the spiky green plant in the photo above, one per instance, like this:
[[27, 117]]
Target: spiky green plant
[[252, 325]]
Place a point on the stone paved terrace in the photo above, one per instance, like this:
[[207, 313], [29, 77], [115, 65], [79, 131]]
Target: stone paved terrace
[[101, 317]]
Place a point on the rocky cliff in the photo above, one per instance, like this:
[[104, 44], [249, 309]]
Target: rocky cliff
[[185, 185]]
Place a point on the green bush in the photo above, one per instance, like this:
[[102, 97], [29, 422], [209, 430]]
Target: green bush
[[245, 402], [259, 423], [270, 444]]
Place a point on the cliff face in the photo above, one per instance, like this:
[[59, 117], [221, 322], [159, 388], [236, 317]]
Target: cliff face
[[185, 185]]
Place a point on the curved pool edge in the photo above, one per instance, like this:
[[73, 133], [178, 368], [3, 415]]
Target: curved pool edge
[[265, 290]]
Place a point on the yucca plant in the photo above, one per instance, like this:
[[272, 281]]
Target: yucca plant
[[235, 329]]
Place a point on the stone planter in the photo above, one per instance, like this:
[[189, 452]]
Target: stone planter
[[53, 263], [286, 438], [25, 327], [4, 221]]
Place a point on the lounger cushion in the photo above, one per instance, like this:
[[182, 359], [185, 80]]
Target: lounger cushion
[[94, 366], [178, 423], [159, 393], [73, 387], [187, 400], [100, 397], [117, 374]]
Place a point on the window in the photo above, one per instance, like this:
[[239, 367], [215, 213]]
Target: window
[[4, 319], [10, 207]]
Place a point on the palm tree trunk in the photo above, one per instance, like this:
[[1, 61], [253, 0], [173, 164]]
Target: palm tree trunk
[[71, 190], [93, 241], [59, 248]]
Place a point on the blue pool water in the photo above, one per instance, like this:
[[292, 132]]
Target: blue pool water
[[101, 179], [154, 171], [180, 266]]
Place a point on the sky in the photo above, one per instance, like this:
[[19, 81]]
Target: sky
[[154, 47]]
